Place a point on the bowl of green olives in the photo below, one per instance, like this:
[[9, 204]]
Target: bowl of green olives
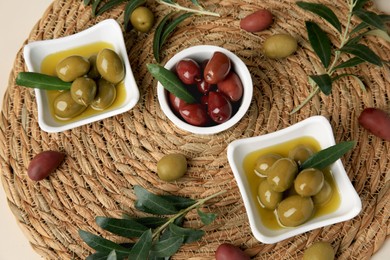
[[282, 197], [95, 62], [220, 83]]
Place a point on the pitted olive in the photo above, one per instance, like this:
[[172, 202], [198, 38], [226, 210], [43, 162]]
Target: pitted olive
[[93, 72], [72, 67], [65, 107], [309, 182], [268, 198], [294, 210], [106, 95], [281, 174], [264, 162], [324, 195], [83, 90], [110, 66], [319, 251], [172, 167], [300, 153]]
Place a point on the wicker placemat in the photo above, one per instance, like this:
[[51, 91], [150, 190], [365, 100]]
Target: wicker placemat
[[105, 159]]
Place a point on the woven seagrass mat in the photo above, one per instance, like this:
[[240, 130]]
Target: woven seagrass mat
[[105, 159]]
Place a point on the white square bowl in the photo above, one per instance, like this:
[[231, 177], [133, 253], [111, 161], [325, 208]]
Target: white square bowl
[[107, 31], [317, 127]]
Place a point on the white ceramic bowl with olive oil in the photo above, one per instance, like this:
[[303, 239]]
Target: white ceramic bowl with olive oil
[[316, 132], [42, 56]]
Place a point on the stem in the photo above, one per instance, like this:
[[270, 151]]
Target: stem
[[179, 7], [308, 98], [183, 212]]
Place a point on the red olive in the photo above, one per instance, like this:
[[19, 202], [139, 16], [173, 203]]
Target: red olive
[[204, 100], [227, 251], [203, 86], [176, 102], [257, 21], [219, 109], [376, 121], [43, 164], [231, 86], [194, 114], [217, 68], [188, 71]]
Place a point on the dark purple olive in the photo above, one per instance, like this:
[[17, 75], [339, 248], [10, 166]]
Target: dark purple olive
[[194, 114], [217, 68], [219, 107], [188, 71], [43, 164], [231, 86]]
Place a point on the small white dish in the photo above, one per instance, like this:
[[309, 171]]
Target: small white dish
[[317, 127], [107, 31], [201, 53]]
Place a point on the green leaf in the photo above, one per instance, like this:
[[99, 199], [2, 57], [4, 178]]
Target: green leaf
[[122, 227], [112, 255], [320, 42], [179, 202], [195, 2], [324, 82], [359, 4], [98, 256], [95, 6], [101, 244], [358, 80], [171, 26], [189, 235], [328, 156], [167, 247], [141, 249], [129, 8], [41, 81], [109, 5], [322, 11], [363, 52], [370, 18], [157, 37], [151, 222], [170, 82], [206, 218], [154, 203], [86, 2], [349, 63], [379, 33]]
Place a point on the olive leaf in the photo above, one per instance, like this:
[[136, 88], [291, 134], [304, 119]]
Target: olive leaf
[[122, 227], [379, 33], [153, 203], [359, 4], [206, 218], [370, 18], [189, 235], [95, 5], [324, 82], [327, 156], [149, 222], [349, 63], [320, 42], [141, 249], [322, 11], [363, 52], [157, 37], [167, 247], [170, 27], [358, 80], [109, 5], [99, 256], [112, 255]]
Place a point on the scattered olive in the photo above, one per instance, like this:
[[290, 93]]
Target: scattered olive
[[65, 107], [294, 210], [319, 251], [43, 164], [172, 167], [281, 174], [227, 251], [83, 90], [72, 67], [279, 46], [106, 95], [309, 182], [110, 66], [264, 162], [142, 19], [268, 198]]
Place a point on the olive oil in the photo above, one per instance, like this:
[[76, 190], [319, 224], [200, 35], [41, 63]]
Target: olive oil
[[268, 216], [48, 67]]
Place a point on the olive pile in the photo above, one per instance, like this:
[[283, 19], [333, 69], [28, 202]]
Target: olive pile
[[214, 84], [93, 80], [292, 193]]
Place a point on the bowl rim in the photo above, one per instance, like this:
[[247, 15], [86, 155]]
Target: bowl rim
[[269, 236], [37, 49], [246, 99]]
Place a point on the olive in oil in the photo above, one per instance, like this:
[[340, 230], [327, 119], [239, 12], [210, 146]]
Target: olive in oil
[[268, 216], [48, 67]]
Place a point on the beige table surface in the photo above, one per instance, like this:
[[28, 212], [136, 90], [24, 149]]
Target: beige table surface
[[17, 19]]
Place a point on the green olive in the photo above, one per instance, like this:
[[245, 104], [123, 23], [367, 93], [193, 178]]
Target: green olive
[[279, 46], [72, 67], [281, 174], [309, 182], [268, 198], [110, 66], [93, 72], [294, 210], [106, 95], [83, 90], [324, 195], [172, 167], [319, 251], [65, 107], [264, 162], [300, 153], [142, 19]]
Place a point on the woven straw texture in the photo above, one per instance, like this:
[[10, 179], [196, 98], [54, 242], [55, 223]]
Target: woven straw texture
[[105, 159]]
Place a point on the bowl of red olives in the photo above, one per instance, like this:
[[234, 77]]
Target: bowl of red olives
[[220, 84], [283, 195]]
